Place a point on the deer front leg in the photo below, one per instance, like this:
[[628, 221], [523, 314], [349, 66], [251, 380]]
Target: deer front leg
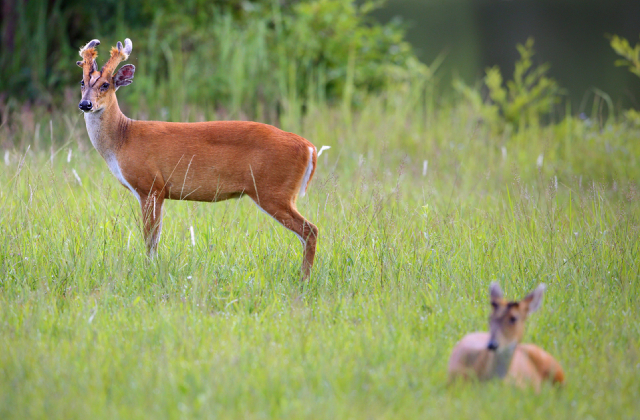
[[151, 205]]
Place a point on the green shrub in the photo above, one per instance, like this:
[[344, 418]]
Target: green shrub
[[526, 98], [630, 55], [631, 59], [327, 34]]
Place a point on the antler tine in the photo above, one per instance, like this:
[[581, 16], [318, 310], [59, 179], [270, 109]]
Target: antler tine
[[118, 54], [128, 47], [91, 44]]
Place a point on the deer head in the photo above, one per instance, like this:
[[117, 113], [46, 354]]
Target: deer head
[[98, 87], [506, 323]]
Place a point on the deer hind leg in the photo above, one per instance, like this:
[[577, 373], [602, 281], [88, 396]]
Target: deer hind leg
[[288, 216], [151, 205]]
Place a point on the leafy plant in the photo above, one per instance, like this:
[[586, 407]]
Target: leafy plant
[[630, 55], [523, 100], [631, 59]]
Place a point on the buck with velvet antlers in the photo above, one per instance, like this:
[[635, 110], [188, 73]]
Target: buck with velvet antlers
[[207, 161], [499, 353]]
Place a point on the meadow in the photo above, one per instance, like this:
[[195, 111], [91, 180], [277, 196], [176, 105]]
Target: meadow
[[419, 208]]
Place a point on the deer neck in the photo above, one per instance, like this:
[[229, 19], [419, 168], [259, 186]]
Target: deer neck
[[502, 361], [107, 128]]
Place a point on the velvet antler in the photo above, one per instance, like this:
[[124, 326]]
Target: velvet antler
[[118, 55], [89, 54]]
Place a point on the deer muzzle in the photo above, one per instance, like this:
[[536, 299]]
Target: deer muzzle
[[85, 105]]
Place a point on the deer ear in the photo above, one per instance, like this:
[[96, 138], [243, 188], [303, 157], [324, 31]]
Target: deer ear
[[534, 299], [495, 292], [124, 76]]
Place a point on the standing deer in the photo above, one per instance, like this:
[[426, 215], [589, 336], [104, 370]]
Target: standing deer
[[499, 353], [206, 161]]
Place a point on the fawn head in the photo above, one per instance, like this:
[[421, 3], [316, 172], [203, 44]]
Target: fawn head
[[506, 323], [98, 87]]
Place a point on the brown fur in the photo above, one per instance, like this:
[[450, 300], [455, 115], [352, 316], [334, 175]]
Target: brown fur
[[207, 161], [547, 367], [89, 56]]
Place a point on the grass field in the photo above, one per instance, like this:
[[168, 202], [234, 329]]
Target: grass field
[[89, 328]]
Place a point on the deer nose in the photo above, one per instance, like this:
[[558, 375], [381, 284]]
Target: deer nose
[[493, 345], [85, 105]]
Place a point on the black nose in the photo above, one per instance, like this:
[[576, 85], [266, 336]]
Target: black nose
[[493, 345], [85, 105]]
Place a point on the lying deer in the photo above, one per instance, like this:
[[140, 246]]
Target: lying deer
[[206, 161], [499, 353]]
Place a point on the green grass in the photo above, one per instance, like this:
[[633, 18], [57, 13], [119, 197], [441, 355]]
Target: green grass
[[89, 328]]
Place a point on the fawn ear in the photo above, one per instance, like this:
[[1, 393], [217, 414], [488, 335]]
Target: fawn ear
[[534, 299], [495, 292], [124, 76]]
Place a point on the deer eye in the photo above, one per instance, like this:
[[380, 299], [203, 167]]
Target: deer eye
[[82, 83], [104, 86]]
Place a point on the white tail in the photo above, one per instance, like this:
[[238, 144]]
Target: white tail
[[499, 353], [209, 161], [322, 149]]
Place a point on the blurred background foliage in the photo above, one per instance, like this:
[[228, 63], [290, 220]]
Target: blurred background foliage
[[241, 55], [257, 58], [571, 35], [630, 55]]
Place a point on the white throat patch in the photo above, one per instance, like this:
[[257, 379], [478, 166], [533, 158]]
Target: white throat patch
[[93, 121], [503, 360]]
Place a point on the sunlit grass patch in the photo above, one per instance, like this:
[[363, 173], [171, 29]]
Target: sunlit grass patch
[[219, 326]]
